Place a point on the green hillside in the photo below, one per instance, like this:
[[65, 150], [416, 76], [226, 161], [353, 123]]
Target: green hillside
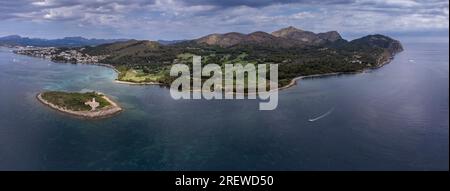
[[149, 61]]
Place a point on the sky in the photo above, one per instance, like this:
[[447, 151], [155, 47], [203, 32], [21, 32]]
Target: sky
[[188, 19]]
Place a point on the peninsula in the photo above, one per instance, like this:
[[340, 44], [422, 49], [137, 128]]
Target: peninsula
[[89, 105], [297, 52]]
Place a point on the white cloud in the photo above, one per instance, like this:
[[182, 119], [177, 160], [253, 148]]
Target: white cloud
[[302, 15], [391, 3], [184, 19]]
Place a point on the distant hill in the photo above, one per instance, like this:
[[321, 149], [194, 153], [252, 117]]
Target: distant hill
[[377, 41], [123, 47], [286, 37], [169, 42], [16, 40], [233, 38]]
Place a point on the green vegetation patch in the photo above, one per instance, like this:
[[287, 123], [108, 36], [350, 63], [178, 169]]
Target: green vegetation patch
[[142, 61], [74, 101], [137, 76]]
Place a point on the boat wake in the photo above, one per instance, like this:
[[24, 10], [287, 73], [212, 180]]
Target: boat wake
[[322, 116]]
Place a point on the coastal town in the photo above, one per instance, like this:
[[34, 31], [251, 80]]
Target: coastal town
[[59, 54]]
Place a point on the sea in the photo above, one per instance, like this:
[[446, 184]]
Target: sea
[[392, 118]]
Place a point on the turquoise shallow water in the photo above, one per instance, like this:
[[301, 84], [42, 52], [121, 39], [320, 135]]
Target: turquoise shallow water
[[393, 118]]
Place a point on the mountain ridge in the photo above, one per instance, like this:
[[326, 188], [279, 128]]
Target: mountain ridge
[[73, 41], [285, 37]]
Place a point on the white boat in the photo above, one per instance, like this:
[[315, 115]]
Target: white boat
[[321, 116]]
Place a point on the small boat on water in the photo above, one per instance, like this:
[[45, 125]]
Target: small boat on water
[[321, 116]]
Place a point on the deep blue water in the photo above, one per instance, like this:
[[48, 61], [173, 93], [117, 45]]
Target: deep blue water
[[392, 118]]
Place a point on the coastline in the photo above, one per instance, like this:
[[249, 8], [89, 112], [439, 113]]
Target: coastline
[[293, 81], [106, 112], [104, 65], [137, 83], [118, 72]]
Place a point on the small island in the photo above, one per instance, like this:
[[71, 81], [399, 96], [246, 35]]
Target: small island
[[89, 105]]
